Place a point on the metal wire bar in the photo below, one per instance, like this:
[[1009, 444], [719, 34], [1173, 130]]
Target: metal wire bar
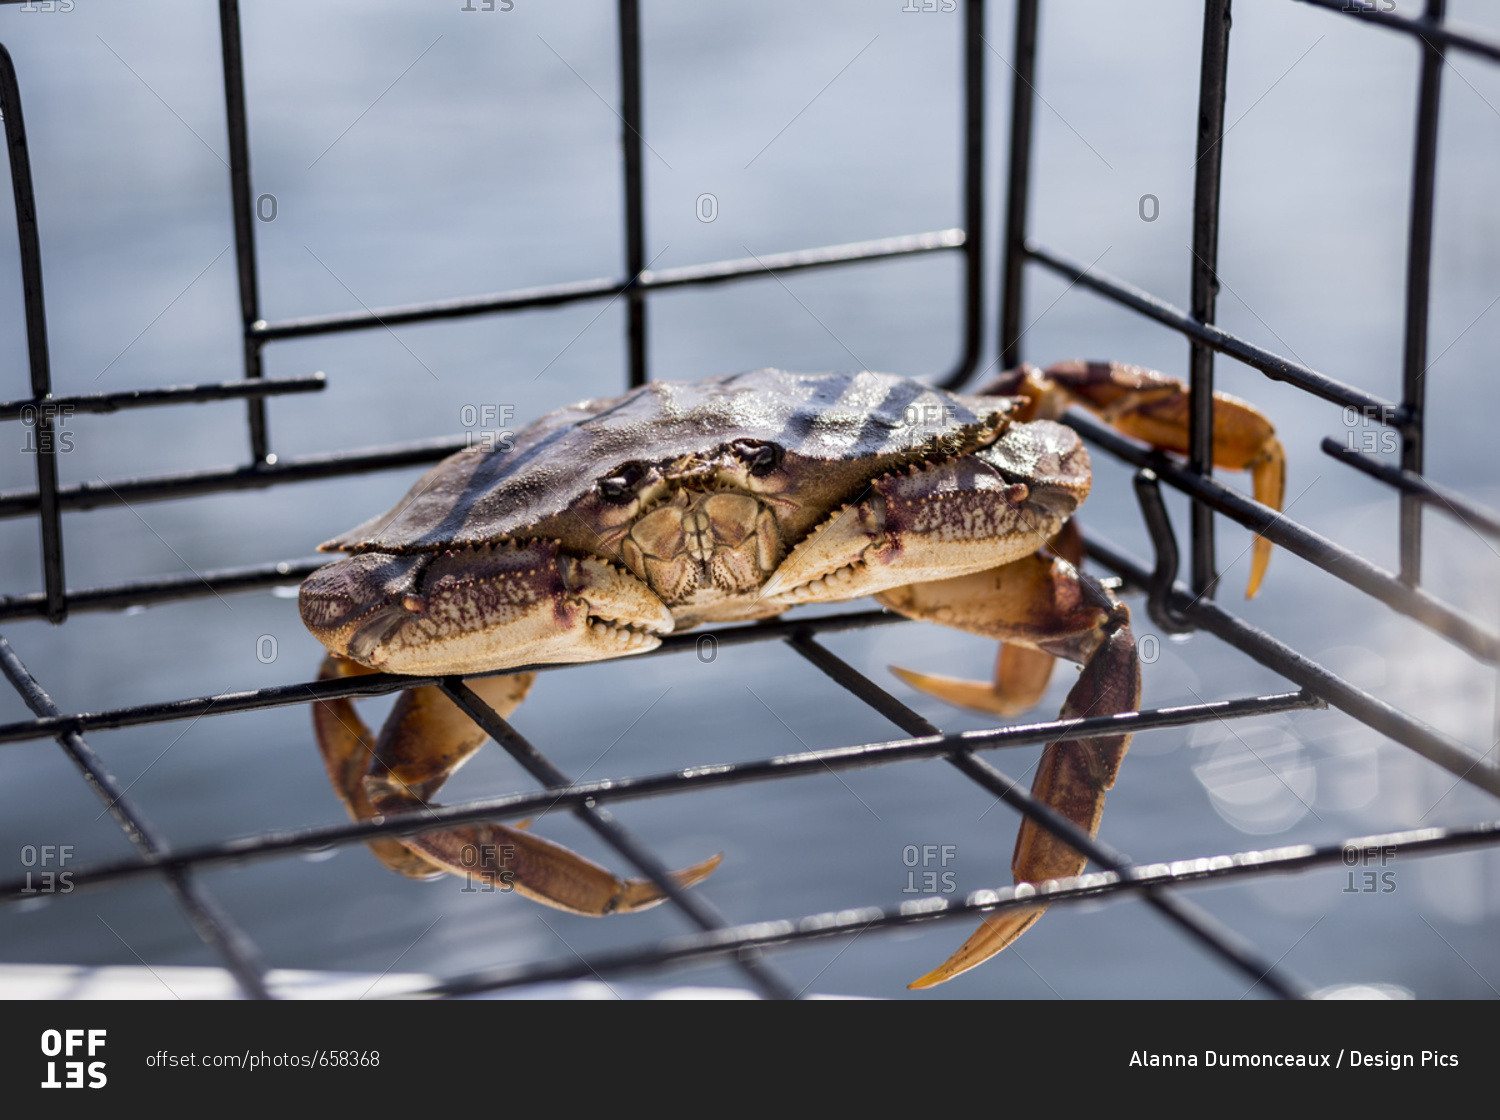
[[1471, 513], [1423, 27], [1207, 169], [27, 234], [197, 585], [688, 780], [1209, 932], [1236, 868], [693, 904], [1418, 292], [631, 124], [1371, 710], [1164, 544], [380, 684], [167, 395], [1313, 547], [973, 196], [210, 922], [191, 484], [241, 207], [1207, 495], [639, 280], [558, 295], [29, 240], [1017, 188], [1271, 364]]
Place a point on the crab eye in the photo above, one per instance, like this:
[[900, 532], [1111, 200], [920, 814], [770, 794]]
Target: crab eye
[[619, 487], [760, 458]]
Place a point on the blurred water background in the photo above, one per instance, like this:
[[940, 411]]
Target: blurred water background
[[418, 151]]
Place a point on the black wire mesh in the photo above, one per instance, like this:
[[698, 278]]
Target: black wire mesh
[[1175, 607]]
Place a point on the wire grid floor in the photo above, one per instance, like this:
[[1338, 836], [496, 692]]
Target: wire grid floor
[[1175, 607]]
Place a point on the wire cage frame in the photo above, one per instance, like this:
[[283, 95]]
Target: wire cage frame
[[1174, 606]]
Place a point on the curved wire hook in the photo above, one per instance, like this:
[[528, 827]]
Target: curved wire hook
[[1164, 542]]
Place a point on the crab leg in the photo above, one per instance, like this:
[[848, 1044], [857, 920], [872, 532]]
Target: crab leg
[[425, 739], [1039, 607], [1155, 408], [1022, 672], [348, 748], [1044, 606]]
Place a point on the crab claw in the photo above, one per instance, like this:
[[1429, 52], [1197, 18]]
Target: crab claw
[[946, 518], [488, 607], [1153, 407]]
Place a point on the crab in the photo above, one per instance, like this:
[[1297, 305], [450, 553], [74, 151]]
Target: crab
[[607, 524]]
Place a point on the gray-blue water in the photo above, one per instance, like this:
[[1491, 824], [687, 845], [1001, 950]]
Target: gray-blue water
[[418, 151]]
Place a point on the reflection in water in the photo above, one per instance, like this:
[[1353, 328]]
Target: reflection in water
[[1259, 778]]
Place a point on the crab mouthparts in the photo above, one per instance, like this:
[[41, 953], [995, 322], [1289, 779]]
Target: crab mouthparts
[[704, 547]]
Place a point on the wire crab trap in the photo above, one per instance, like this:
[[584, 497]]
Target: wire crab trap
[[750, 943]]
